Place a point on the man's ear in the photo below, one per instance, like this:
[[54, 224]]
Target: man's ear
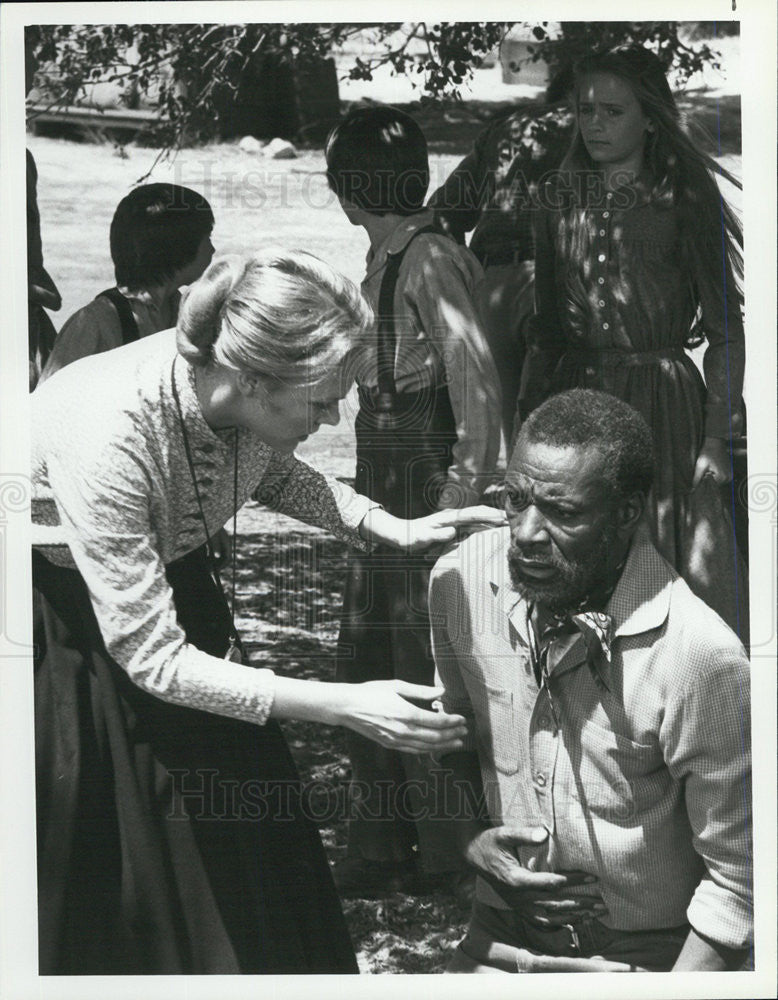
[[628, 514]]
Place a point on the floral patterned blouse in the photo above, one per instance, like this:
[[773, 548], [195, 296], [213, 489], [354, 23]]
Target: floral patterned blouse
[[113, 497]]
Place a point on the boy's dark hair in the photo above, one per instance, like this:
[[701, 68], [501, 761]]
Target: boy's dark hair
[[377, 160], [586, 418], [156, 230]]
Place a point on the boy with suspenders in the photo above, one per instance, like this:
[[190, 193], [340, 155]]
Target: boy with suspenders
[[160, 240], [428, 437]]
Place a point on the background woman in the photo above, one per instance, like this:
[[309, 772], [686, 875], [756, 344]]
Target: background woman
[[635, 263], [163, 845]]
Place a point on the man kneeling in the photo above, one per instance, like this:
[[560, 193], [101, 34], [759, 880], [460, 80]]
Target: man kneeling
[[609, 707]]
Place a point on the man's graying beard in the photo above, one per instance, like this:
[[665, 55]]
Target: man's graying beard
[[576, 579]]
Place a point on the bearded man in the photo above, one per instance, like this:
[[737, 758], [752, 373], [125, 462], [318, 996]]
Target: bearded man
[[604, 796]]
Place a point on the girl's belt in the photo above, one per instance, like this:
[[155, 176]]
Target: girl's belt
[[612, 357]]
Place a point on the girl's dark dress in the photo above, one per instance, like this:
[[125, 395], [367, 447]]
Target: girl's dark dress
[[615, 303]]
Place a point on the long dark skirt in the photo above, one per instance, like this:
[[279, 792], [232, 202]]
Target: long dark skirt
[[169, 840], [402, 463]]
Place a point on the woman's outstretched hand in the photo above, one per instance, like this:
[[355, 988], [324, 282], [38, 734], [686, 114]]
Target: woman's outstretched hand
[[713, 460], [436, 529], [381, 711]]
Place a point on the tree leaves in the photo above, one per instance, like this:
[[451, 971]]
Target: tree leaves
[[190, 70]]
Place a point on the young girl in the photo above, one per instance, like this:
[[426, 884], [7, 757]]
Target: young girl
[[636, 256]]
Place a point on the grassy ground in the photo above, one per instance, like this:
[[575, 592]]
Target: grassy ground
[[289, 576]]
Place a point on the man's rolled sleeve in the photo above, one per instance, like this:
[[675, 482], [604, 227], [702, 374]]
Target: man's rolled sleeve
[[706, 740]]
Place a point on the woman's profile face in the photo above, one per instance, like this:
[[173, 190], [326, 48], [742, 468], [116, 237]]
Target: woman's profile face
[[284, 416], [611, 121]]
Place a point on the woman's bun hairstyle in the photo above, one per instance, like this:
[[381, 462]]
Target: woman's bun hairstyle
[[282, 314], [199, 317]]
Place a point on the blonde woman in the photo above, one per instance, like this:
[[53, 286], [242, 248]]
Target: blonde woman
[[172, 837]]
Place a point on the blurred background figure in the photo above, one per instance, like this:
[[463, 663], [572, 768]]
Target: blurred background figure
[[491, 192], [42, 293]]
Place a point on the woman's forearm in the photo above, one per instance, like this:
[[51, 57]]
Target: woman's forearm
[[382, 528], [309, 701]]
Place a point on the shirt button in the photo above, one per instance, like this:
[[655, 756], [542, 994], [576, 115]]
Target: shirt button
[[606, 215], [609, 195], [606, 326], [602, 232], [544, 720], [540, 779], [601, 303], [601, 281], [590, 371], [601, 257]]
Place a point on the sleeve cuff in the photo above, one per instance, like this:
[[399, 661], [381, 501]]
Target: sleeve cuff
[[264, 696], [352, 508], [721, 915]]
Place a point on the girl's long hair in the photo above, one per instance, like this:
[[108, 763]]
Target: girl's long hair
[[682, 175]]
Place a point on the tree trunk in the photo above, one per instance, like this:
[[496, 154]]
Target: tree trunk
[[281, 97]]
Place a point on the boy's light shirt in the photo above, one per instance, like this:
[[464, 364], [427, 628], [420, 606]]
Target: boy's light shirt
[[440, 341]]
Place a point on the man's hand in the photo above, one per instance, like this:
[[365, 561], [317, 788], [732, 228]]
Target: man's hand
[[447, 525], [541, 897]]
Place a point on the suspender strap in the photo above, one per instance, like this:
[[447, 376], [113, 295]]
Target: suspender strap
[[130, 330], [387, 334]]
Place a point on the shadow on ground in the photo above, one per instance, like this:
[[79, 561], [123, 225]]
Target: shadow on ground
[[289, 589]]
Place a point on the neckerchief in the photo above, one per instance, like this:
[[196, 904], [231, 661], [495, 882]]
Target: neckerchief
[[594, 626]]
